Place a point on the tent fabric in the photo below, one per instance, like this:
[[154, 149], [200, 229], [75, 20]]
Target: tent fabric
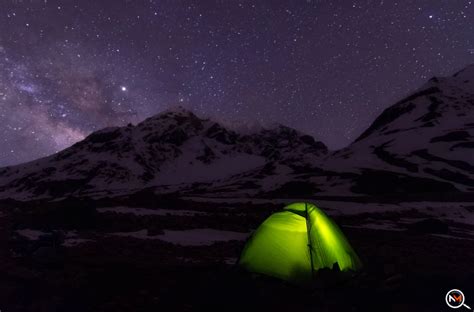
[[295, 243]]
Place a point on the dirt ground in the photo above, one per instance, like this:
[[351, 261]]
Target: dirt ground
[[408, 270]]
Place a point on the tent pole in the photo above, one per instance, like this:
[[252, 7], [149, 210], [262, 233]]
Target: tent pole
[[308, 230]]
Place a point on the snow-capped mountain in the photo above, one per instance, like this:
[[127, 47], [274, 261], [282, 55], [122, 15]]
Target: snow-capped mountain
[[429, 134], [172, 148], [422, 144]]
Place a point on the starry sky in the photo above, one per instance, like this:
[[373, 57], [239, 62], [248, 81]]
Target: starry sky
[[327, 68]]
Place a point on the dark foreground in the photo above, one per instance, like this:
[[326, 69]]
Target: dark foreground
[[408, 270]]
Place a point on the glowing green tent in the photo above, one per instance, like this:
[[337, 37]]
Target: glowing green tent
[[295, 243]]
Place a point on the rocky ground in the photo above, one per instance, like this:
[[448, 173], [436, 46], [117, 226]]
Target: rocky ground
[[96, 256]]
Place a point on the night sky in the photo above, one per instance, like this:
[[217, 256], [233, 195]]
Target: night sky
[[327, 68]]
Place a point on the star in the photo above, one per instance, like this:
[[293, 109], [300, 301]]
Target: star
[[123, 88]]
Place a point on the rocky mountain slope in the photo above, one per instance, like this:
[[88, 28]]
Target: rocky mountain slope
[[422, 144], [429, 134], [167, 150]]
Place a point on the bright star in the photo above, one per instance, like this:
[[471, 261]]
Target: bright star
[[431, 16], [123, 88]]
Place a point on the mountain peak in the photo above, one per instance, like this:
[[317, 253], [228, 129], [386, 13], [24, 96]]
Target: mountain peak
[[459, 79], [171, 148], [172, 113], [177, 109], [440, 100]]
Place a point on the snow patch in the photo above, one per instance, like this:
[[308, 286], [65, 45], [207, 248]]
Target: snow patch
[[71, 242], [193, 237], [150, 212], [31, 234], [187, 169], [196, 237]]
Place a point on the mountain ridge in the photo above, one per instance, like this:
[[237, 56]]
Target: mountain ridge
[[422, 143], [143, 155]]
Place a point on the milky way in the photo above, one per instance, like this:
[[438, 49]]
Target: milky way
[[327, 68]]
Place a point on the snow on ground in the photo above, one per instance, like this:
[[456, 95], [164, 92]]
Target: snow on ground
[[458, 214], [350, 208], [71, 242], [452, 211], [256, 201], [192, 237], [197, 237], [71, 234], [452, 237], [31, 234], [231, 260], [150, 212], [142, 234], [386, 226]]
